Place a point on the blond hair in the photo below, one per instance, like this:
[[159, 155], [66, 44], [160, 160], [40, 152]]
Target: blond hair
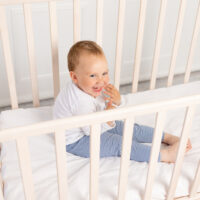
[[78, 48]]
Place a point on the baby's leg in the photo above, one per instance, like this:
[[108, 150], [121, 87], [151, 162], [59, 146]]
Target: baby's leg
[[141, 152], [172, 139], [169, 154], [143, 134]]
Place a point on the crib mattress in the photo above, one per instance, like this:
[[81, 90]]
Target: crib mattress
[[43, 162]]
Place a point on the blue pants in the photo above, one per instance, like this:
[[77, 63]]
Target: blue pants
[[111, 143]]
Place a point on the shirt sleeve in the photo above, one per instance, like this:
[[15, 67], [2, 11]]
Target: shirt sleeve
[[123, 101]]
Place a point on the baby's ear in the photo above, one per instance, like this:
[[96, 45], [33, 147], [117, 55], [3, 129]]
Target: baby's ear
[[73, 76]]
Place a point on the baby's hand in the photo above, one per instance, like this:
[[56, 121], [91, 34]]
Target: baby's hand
[[109, 105], [113, 94]]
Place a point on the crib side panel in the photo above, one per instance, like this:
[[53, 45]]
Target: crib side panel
[[95, 119], [31, 52]]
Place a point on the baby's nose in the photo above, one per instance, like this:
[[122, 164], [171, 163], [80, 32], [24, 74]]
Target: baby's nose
[[100, 79]]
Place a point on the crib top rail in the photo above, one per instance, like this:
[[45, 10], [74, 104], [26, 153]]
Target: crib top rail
[[11, 2], [98, 117]]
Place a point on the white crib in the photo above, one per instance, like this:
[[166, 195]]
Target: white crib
[[186, 100]]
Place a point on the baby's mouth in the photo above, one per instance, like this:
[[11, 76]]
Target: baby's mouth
[[97, 89]]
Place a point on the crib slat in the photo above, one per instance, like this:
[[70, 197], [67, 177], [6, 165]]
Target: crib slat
[[193, 44], [181, 150], [1, 194], [7, 2], [176, 42], [94, 160], [1, 180], [25, 165], [196, 182], [31, 52], [119, 45], [54, 47], [160, 118], [1, 185], [8, 58], [61, 163], [125, 157], [158, 44], [76, 20], [99, 22], [138, 50]]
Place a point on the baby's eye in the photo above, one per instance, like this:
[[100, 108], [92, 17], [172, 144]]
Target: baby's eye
[[105, 73], [92, 75]]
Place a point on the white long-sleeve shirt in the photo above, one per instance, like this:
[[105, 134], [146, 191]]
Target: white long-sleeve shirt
[[73, 101]]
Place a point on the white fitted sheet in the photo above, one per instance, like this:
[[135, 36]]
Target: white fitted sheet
[[43, 155]]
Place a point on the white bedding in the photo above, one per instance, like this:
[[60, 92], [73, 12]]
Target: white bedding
[[43, 156]]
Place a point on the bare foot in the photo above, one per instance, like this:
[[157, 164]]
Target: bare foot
[[188, 146], [169, 154]]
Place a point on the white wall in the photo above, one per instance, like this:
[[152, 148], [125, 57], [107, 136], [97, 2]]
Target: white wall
[[88, 31]]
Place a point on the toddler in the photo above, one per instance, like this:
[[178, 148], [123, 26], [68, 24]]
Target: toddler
[[90, 91]]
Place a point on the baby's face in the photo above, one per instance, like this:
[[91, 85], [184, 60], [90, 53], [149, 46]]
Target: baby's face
[[91, 74]]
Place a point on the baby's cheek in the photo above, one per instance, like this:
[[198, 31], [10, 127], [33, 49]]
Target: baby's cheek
[[107, 80]]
